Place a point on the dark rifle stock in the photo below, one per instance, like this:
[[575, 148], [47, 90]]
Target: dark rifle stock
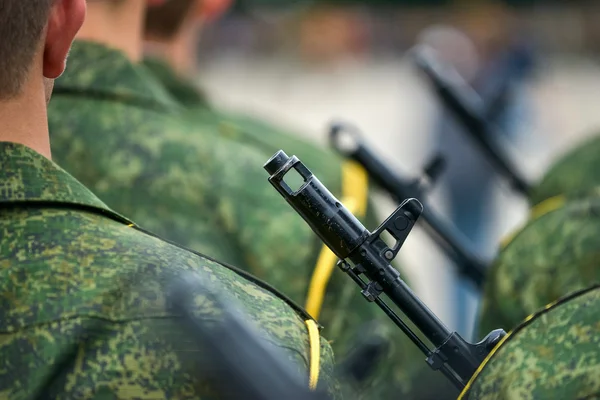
[[446, 236], [241, 365], [370, 257]]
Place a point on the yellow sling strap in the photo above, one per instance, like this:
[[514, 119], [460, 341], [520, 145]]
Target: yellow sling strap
[[543, 208], [354, 196], [314, 341]]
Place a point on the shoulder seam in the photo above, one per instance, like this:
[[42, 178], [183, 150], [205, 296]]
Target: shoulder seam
[[303, 313], [118, 218]]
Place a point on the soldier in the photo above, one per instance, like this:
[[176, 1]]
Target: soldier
[[119, 132], [555, 253], [84, 312], [171, 32], [553, 355], [172, 29]]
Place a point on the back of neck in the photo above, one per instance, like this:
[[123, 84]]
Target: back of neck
[[180, 50], [117, 25], [24, 119]]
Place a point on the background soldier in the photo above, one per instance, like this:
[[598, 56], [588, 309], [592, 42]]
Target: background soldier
[[84, 313], [116, 128]]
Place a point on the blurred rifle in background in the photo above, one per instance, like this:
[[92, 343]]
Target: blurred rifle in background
[[348, 142], [469, 109]]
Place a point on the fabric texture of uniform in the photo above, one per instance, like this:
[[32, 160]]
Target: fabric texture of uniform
[[553, 356], [84, 312], [117, 131], [573, 175], [553, 255], [345, 312]]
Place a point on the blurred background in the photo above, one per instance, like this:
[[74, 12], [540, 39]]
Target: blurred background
[[301, 64]]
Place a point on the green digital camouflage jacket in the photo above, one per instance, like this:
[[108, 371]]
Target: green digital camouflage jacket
[[83, 310], [554, 254], [344, 312], [573, 175], [555, 355], [255, 133], [118, 132]]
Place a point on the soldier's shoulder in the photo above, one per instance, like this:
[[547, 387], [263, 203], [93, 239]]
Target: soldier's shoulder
[[553, 355], [573, 174], [84, 269], [550, 256], [97, 261]]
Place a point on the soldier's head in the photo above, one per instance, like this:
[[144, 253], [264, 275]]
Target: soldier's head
[[35, 38], [166, 21], [172, 28], [117, 24]]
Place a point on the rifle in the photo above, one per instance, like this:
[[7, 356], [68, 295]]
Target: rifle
[[349, 143], [468, 109], [518, 63], [365, 258], [239, 363]]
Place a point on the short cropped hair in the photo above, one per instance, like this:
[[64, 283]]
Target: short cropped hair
[[21, 25], [164, 21]]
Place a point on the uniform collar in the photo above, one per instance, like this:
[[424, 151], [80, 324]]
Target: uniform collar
[[98, 71], [29, 177]]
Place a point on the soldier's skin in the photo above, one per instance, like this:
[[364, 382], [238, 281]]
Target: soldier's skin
[[554, 356], [344, 311], [83, 310], [573, 175], [554, 254]]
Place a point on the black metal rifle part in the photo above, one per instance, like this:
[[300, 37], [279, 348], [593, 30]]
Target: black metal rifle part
[[241, 364], [348, 142], [370, 256], [519, 63], [468, 108]]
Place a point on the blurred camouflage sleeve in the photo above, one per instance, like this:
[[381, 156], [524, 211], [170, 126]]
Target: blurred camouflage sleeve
[[551, 256], [554, 356], [85, 358], [573, 175]]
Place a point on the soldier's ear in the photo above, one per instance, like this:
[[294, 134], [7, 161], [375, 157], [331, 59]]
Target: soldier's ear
[[65, 19], [210, 10]]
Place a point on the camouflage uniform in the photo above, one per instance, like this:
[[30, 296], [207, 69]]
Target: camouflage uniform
[[117, 131], [266, 138], [554, 254], [83, 311], [573, 175], [553, 356], [344, 310]]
